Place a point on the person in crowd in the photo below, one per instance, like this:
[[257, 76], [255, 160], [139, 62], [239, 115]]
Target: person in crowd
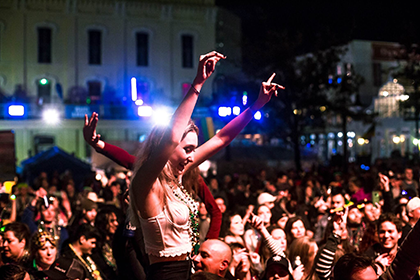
[[65, 269], [215, 189], [332, 249], [409, 184], [43, 254], [43, 205], [80, 247], [23, 198], [389, 230], [8, 213], [273, 243], [115, 188], [295, 228], [337, 201], [221, 204], [156, 192], [413, 212], [214, 256], [357, 190], [16, 243], [252, 237], [403, 267], [302, 252], [266, 199], [355, 225], [242, 266], [87, 215], [13, 272], [73, 196], [278, 267], [204, 222], [236, 229], [191, 179], [106, 223]]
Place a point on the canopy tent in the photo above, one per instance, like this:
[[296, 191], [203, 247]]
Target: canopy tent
[[54, 160]]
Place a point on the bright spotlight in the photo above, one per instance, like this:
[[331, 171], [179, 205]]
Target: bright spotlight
[[133, 89], [236, 110], [145, 111], [161, 117], [51, 116], [257, 115], [225, 111], [16, 110]]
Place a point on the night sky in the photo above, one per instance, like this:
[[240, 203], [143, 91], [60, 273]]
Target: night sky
[[333, 23]]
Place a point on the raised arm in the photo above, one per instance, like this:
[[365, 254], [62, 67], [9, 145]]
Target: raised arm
[[235, 126], [169, 139], [116, 154]]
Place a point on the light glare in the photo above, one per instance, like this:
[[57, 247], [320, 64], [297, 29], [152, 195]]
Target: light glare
[[51, 116], [16, 110]]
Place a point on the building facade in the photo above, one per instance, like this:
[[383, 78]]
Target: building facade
[[108, 56]]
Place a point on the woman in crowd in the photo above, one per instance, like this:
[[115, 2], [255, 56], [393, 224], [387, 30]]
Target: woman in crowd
[[107, 223], [43, 254], [191, 180], [164, 208], [302, 253], [15, 243], [295, 228], [236, 228]]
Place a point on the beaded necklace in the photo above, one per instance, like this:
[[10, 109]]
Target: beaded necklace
[[91, 267], [183, 195]]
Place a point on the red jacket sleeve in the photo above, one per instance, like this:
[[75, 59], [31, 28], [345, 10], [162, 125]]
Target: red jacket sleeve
[[118, 155], [212, 208]]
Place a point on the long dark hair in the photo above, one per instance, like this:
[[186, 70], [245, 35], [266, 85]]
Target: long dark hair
[[102, 221]]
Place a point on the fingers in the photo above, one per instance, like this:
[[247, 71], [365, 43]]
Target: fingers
[[86, 120], [278, 86], [212, 54], [271, 78]]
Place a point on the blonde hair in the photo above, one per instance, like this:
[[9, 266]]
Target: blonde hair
[[166, 178]]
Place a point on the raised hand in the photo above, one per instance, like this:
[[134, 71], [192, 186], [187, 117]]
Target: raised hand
[[266, 92], [256, 222], [89, 131], [206, 66], [384, 182], [298, 272], [340, 221]]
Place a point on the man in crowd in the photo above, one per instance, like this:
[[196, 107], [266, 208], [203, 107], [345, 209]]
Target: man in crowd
[[408, 184], [214, 256], [337, 201], [413, 213], [80, 248], [389, 230]]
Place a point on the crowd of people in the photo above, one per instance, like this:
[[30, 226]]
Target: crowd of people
[[163, 220]]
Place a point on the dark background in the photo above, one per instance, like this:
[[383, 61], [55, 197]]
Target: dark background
[[318, 25]]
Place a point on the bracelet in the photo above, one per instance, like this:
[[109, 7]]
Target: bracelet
[[194, 89]]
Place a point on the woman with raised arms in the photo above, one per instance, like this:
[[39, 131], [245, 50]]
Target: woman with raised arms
[[166, 212]]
